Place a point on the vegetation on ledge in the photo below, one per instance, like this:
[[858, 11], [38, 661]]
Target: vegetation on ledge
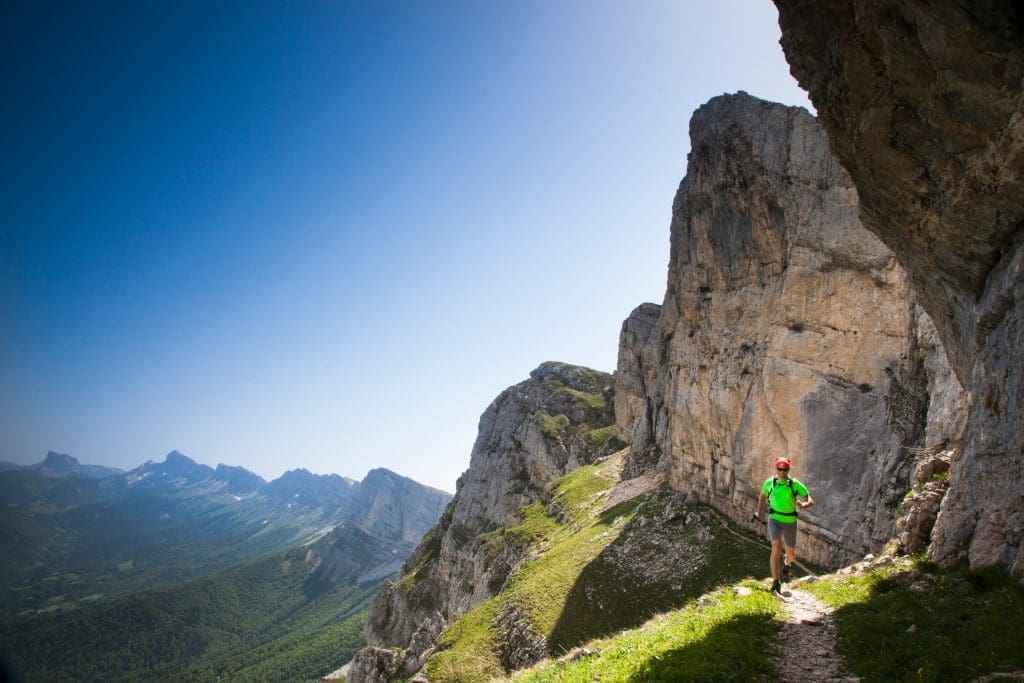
[[595, 401]]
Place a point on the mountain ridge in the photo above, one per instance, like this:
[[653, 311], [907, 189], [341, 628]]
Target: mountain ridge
[[174, 520]]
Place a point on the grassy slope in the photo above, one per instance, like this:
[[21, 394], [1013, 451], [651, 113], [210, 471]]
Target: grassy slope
[[571, 592], [267, 620], [726, 638], [901, 622], [913, 621]]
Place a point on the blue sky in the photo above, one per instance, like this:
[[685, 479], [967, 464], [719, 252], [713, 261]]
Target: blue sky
[[328, 234]]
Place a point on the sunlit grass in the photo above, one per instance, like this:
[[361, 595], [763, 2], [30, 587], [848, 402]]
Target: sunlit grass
[[726, 639], [469, 647], [550, 594], [583, 399]]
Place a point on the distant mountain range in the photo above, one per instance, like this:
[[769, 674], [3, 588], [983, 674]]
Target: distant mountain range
[[62, 465], [71, 532]]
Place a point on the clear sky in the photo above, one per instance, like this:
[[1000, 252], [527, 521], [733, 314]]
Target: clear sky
[[328, 234]]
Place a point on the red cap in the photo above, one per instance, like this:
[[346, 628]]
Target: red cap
[[782, 462]]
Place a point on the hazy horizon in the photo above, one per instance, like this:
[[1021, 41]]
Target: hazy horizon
[[327, 236]]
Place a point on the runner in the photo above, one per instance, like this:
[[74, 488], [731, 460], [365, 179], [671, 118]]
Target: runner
[[782, 496]]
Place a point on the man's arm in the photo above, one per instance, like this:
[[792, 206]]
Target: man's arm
[[804, 504], [761, 500]]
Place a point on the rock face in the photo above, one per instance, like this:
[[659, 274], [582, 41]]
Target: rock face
[[787, 328], [635, 375], [531, 434], [387, 518], [388, 505], [923, 104]]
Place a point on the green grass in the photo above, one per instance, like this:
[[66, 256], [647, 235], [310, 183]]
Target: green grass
[[542, 587], [431, 548], [583, 399], [575, 494], [552, 426], [575, 590], [602, 435], [535, 527], [726, 639], [469, 647], [915, 622]]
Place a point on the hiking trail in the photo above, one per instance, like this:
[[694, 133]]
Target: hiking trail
[[805, 649]]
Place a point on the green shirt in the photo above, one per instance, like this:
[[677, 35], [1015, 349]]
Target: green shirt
[[783, 498]]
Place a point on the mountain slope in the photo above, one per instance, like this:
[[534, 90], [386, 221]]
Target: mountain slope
[[296, 614], [71, 539], [268, 618], [600, 556], [532, 433]]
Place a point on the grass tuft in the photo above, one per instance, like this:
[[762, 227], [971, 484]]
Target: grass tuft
[[601, 436], [552, 425], [469, 647]]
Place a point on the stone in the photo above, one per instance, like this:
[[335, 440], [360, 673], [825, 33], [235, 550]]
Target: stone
[[786, 328], [373, 665], [635, 373], [923, 105]]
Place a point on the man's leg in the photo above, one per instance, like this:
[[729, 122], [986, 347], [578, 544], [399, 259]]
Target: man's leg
[[776, 563], [789, 538], [775, 536]]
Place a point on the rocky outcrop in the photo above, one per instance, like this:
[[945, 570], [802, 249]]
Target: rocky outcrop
[[923, 104], [787, 328], [374, 664], [920, 507], [635, 375], [533, 433]]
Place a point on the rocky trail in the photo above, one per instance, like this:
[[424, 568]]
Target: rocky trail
[[805, 649]]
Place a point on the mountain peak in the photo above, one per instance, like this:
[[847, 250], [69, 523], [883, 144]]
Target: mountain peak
[[239, 479], [381, 473], [60, 462], [178, 457]]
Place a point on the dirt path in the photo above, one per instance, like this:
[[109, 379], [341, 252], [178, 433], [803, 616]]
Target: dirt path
[[806, 645]]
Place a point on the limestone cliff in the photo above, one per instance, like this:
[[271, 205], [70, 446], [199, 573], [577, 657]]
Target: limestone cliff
[[531, 434], [386, 519], [787, 328], [924, 105]]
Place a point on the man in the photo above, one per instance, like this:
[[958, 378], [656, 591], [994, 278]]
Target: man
[[782, 495]]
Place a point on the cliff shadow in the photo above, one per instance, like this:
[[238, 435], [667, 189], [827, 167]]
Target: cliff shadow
[[670, 552], [935, 624]]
